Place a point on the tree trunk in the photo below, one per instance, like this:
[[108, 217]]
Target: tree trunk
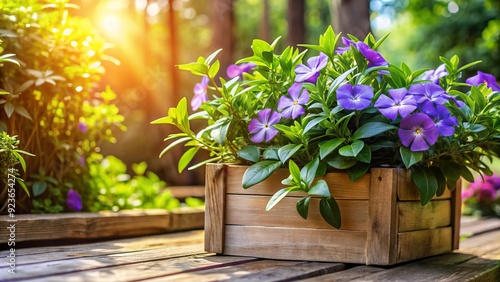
[[296, 23], [222, 28], [351, 17]]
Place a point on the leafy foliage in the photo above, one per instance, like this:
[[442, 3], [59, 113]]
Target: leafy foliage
[[360, 112]]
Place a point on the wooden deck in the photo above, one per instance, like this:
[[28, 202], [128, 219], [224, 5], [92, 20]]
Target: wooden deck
[[180, 257]]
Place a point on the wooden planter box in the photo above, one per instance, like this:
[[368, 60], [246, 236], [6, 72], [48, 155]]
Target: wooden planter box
[[383, 222]]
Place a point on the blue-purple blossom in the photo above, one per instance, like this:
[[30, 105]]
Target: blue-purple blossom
[[435, 75], [444, 121], [310, 73], [263, 126], [235, 70], [347, 42], [428, 95], [357, 97], [373, 57], [485, 78], [74, 200], [292, 107], [200, 93], [418, 132], [82, 126], [398, 103]]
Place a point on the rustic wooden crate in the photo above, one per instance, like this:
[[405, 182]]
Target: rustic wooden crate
[[383, 222]]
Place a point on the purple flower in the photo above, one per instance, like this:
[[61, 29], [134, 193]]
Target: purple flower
[[234, 70], [263, 126], [310, 72], [374, 58], [444, 121], [82, 126], [291, 108], [485, 78], [485, 191], [400, 103], [419, 131], [200, 93], [347, 42], [428, 95], [74, 200], [435, 75], [354, 98], [81, 161]]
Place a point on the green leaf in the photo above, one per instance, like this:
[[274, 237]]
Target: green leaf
[[271, 153], [259, 46], [365, 155], [353, 149], [211, 57], [294, 171], [219, 132], [426, 182], [441, 180], [313, 123], [371, 129], [330, 211], [466, 174], [449, 169], [276, 198], [249, 153], [21, 182], [214, 69], [341, 162], [409, 157], [308, 172], [357, 171], [195, 68], [39, 187], [326, 147], [320, 188], [259, 172], [303, 206], [186, 158], [287, 151], [173, 144]]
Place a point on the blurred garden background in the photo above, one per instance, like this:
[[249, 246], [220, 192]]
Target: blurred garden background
[[81, 80]]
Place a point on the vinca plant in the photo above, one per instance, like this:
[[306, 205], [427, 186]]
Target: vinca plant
[[339, 105]]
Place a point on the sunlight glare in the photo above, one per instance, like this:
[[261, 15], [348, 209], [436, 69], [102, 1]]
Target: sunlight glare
[[111, 24], [453, 7], [153, 9]]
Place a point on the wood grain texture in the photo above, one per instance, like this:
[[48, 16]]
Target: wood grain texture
[[414, 216], [250, 210], [33, 227], [215, 193], [340, 185], [424, 243], [456, 212], [382, 219], [295, 243], [407, 191]]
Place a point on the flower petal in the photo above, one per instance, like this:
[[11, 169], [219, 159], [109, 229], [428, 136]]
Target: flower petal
[[419, 144], [233, 71]]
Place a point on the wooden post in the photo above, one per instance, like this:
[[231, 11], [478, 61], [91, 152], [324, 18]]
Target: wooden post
[[456, 212], [381, 245], [215, 194]]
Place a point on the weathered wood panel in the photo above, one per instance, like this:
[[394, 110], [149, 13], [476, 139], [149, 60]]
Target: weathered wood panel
[[414, 216], [342, 187], [407, 191], [250, 210], [291, 243], [382, 218], [215, 185], [424, 243]]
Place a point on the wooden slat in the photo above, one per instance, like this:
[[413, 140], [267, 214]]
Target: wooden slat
[[407, 191], [296, 243], [414, 216], [382, 220], [264, 270], [342, 187], [470, 226], [346, 275], [456, 213], [215, 192], [250, 210], [32, 227], [424, 243]]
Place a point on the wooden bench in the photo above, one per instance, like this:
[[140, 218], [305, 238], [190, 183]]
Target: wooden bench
[[179, 256]]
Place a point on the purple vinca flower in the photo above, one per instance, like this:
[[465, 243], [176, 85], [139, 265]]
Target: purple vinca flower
[[435, 75], [74, 200], [82, 126], [373, 57], [419, 131], [310, 72], [428, 95], [347, 42], [444, 121], [263, 126], [292, 108], [200, 93], [400, 103], [234, 70], [485, 78], [354, 98]]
